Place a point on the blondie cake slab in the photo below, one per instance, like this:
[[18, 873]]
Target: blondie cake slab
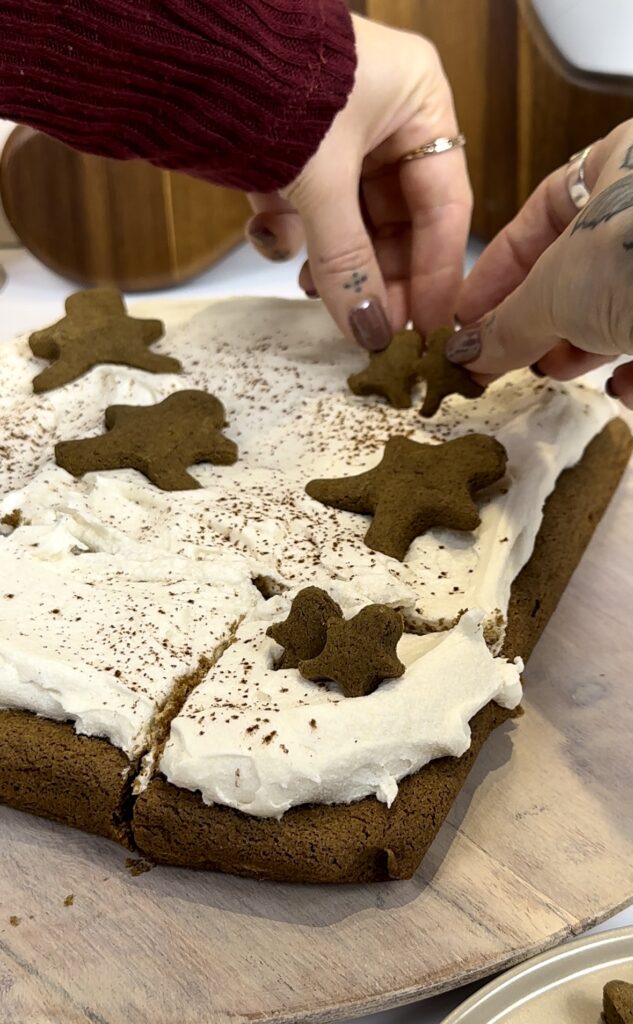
[[119, 598], [368, 841]]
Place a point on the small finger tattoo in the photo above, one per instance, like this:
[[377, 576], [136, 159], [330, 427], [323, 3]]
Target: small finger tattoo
[[627, 163], [356, 282]]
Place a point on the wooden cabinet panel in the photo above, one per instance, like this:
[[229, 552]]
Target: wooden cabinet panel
[[560, 111], [477, 41], [522, 109]]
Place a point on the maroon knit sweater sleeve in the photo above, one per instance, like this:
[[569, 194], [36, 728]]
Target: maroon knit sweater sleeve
[[237, 91]]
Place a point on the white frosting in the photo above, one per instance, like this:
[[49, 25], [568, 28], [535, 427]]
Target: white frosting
[[280, 371], [263, 740], [100, 640]]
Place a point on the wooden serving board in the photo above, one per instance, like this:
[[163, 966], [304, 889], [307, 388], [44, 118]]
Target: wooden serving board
[[120, 222], [538, 847]]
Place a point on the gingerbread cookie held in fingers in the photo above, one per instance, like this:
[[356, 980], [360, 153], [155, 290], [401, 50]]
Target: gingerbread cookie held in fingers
[[393, 372], [442, 377]]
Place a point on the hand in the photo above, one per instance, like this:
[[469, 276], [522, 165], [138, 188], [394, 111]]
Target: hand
[[377, 230], [554, 289]]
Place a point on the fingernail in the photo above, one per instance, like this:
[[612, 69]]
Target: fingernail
[[279, 255], [464, 346], [536, 370], [311, 293], [263, 237], [370, 326], [610, 389]]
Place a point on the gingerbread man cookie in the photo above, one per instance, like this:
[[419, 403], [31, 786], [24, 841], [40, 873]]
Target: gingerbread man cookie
[[96, 329], [359, 653], [392, 372], [416, 487], [303, 633], [160, 441], [442, 377]]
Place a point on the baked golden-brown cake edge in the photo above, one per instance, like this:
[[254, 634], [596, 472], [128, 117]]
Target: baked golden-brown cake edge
[[47, 769]]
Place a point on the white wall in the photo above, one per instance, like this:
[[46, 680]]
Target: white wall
[[593, 35]]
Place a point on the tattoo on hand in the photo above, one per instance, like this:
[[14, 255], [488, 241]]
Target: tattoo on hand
[[627, 246], [614, 200], [627, 163], [357, 281]]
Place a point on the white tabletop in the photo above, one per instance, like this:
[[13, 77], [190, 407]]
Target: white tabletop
[[34, 296]]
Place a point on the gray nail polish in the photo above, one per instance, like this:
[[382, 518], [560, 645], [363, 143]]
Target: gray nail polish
[[464, 346], [263, 237], [370, 326], [279, 255]]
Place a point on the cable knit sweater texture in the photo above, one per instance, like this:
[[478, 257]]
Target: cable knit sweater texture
[[239, 92]]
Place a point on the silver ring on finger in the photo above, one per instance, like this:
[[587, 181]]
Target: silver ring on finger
[[575, 177]]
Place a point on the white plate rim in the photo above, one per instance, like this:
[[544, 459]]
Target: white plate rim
[[486, 1005]]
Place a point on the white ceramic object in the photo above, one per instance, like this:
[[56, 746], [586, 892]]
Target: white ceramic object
[[563, 986]]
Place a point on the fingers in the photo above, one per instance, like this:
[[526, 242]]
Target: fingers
[[565, 361], [519, 332], [574, 288], [620, 385], [512, 254], [438, 195], [275, 230], [387, 221], [306, 282], [392, 254], [343, 265]]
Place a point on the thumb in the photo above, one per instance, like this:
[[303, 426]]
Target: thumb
[[275, 228], [519, 332], [343, 262]]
